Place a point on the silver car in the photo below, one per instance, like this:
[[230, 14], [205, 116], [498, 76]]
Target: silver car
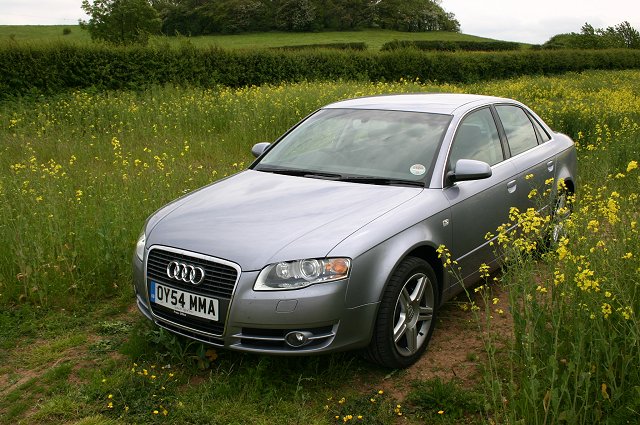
[[328, 241]]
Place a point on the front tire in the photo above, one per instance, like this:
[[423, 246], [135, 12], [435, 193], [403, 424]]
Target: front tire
[[407, 315]]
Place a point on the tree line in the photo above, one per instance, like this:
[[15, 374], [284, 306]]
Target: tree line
[[622, 35], [201, 17], [133, 20]]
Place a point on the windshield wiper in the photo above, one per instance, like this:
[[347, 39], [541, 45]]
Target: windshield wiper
[[340, 177], [382, 181], [301, 173]]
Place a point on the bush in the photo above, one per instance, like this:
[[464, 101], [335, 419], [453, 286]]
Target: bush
[[339, 46], [31, 69], [451, 46]]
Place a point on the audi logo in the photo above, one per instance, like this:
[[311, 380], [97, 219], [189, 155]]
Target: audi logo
[[185, 272]]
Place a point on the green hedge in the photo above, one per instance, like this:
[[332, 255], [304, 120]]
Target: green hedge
[[50, 69], [359, 45], [451, 46]]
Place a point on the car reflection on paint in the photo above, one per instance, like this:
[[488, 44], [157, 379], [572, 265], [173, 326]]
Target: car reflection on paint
[[328, 240]]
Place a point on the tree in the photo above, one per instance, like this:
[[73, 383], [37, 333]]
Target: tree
[[622, 35], [121, 21], [415, 16], [243, 15], [295, 15], [630, 36]]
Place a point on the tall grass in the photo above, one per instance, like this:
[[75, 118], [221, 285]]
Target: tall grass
[[80, 172], [576, 351]]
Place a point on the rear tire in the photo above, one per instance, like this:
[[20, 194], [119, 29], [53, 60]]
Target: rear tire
[[562, 209], [406, 316]]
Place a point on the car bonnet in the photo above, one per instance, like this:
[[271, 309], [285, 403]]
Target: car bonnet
[[256, 218]]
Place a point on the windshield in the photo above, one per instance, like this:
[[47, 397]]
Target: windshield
[[367, 143]]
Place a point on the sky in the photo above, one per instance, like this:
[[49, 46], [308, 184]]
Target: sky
[[537, 21], [524, 21]]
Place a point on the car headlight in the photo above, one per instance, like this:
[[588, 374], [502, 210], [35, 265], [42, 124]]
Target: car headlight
[[302, 273], [142, 239]]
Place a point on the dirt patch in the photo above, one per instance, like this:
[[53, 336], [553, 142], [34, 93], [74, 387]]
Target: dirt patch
[[457, 348], [76, 354]]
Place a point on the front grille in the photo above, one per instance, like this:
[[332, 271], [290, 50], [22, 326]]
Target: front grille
[[219, 283]]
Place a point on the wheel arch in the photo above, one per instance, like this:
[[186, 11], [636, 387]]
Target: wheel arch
[[429, 254], [571, 187], [372, 268]]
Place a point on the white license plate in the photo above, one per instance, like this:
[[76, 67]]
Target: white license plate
[[184, 302]]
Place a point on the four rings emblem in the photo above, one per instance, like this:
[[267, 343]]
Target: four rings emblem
[[185, 272]]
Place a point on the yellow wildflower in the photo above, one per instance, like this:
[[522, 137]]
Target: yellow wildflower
[[626, 313]]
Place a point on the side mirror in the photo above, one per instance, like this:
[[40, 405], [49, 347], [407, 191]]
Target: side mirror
[[259, 148], [469, 169]]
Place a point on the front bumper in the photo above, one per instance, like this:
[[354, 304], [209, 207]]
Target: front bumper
[[259, 321]]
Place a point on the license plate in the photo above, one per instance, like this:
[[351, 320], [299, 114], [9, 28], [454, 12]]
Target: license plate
[[184, 302]]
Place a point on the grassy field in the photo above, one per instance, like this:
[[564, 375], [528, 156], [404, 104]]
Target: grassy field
[[374, 38], [80, 172]]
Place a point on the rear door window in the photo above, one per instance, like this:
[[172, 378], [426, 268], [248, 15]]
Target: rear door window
[[542, 133], [518, 128]]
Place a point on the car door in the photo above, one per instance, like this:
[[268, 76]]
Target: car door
[[479, 206], [531, 155]]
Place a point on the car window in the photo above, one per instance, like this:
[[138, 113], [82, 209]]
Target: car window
[[521, 135], [544, 136], [477, 138]]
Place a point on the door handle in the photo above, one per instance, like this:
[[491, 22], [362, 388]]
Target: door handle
[[550, 165], [511, 186]]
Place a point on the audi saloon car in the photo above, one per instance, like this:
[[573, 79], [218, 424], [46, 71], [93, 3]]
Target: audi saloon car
[[328, 241]]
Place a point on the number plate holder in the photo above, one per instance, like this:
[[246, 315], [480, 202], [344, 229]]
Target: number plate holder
[[183, 302]]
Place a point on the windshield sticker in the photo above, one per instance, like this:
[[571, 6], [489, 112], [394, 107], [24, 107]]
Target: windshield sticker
[[417, 169]]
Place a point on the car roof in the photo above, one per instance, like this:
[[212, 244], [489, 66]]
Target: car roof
[[441, 103]]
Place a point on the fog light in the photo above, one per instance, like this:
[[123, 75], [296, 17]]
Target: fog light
[[297, 339]]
